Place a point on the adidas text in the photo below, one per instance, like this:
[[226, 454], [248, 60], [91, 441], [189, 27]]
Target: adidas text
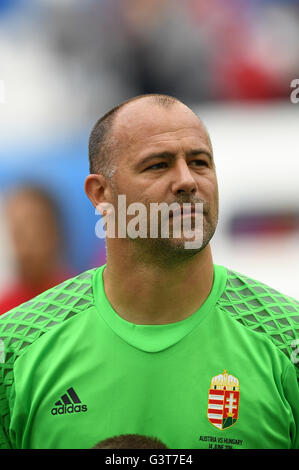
[[68, 409]]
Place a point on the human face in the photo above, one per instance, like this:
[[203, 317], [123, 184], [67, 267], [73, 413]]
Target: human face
[[34, 234], [165, 155]]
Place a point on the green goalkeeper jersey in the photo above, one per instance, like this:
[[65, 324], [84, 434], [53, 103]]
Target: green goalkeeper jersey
[[73, 372]]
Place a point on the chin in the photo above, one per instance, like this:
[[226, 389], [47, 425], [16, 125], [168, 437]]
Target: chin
[[177, 246]]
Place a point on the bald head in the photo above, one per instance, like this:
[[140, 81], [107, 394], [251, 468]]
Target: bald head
[[114, 129]]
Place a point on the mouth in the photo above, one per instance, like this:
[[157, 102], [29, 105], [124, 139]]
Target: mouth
[[187, 211]]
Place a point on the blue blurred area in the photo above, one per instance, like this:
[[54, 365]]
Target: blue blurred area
[[9, 5], [61, 169]]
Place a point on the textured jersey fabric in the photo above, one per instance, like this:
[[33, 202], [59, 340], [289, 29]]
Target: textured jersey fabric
[[21, 292], [73, 372]]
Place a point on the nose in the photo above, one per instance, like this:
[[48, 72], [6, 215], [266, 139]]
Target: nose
[[183, 180]]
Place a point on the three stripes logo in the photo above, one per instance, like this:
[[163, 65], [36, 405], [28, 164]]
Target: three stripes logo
[[69, 403]]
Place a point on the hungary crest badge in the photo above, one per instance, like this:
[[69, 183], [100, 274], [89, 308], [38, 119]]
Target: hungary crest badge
[[223, 403]]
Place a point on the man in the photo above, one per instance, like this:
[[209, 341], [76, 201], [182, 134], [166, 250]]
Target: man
[[34, 226], [159, 341]]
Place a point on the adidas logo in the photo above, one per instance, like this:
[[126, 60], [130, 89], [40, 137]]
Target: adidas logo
[[69, 403]]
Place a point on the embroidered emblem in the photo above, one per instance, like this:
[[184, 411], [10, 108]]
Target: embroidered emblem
[[223, 403]]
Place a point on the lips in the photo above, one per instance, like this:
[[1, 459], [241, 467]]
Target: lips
[[188, 211]]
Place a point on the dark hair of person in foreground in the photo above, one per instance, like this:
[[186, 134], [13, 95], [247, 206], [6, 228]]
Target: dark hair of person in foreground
[[130, 441]]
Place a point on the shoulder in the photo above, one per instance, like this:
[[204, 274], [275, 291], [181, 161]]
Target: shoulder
[[264, 310], [25, 323]]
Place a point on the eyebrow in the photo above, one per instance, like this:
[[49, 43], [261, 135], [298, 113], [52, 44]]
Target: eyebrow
[[166, 154]]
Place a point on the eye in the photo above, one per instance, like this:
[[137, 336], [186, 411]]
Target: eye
[[199, 162], [157, 166]]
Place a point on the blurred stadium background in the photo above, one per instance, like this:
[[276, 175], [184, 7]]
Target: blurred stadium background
[[63, 63]]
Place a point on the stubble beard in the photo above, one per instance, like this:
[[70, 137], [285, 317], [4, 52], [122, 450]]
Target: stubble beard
[[170, 251]]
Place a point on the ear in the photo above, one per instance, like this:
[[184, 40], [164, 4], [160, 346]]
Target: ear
[[96, 188]]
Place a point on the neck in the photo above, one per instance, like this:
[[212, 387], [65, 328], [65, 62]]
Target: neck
[[148, 293]]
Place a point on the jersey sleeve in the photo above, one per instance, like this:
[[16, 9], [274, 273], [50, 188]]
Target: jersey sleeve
[[291, 390], [264, 310], [4, 402], [25, 324]]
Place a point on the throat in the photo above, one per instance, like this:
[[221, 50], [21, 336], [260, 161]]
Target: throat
[[148, 296]]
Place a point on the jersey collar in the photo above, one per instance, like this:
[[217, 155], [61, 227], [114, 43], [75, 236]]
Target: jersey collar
[[154, 338]]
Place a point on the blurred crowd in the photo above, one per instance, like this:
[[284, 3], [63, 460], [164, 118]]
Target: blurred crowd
[[97, 53]]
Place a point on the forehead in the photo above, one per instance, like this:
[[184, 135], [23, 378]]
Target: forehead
[[144, 124]]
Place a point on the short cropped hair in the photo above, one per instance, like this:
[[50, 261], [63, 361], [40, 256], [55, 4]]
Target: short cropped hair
[[101, 151], [130, 441]]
